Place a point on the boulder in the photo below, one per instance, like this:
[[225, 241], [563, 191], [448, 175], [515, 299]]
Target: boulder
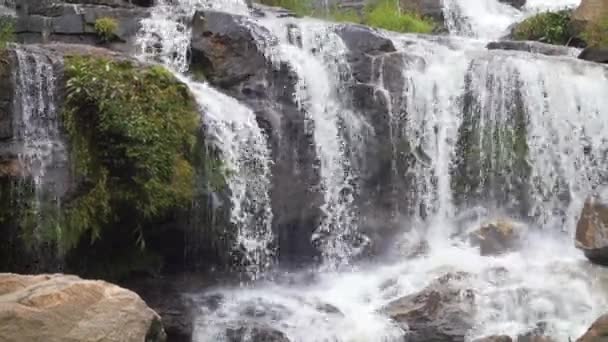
[[495, 237], [499, 338], [532, 47], [598, 332], [54, 308], [515, 3], [592, 228], [590, 10], [442, 312], [598, 55]]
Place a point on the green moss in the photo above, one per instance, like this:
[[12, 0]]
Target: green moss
[[385, 14], [7, 31], [132, 133], [547, 27], [105, 28]]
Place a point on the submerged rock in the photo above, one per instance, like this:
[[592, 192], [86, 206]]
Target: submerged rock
[[532, 47], [592, 228], [495, 237], [598, 332], [54, 308], [442, 312], [255, 333]]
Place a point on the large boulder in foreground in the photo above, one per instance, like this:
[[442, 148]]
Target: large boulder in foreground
[[592, 228], [598, 55], [62, 308], [442, 312], [598, 332]]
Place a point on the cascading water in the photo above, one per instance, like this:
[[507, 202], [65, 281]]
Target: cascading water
[[490, 19], [317, 55], [487, 134], [231, 126]]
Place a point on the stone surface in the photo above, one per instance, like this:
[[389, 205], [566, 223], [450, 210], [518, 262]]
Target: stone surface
[[591, 10], [532, 47], [598, 55], [442, 312], [515, 3], [598, 332], [501, 338], [255, 333], [62, 308], [496, 237], [592, 227]]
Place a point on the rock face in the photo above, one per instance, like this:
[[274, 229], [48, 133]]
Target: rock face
[[532, 47], [592, 228], [74, 21], [598, 332], [54, 308], [598, 55], [590, 10], [495, 237], [443, 312]]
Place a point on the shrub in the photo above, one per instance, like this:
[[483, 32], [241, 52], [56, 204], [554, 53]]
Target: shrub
[[547, 27], [132, 132], [596, 33], [105, 28], [385, 14]]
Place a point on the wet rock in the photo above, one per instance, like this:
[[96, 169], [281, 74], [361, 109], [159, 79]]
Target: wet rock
[[442, 312], [501, 338], [592, 228], [55, 308], [598, 332], [515, 3], [532, 47], [536, 335], [598, 55], [255, 333], [495, 237]]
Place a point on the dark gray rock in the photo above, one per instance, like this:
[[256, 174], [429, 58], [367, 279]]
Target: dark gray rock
[[532, 47], [224, 49], [442, 312], [515, 3], [255, 333], [6, 95], [598, 55], [592, 227]]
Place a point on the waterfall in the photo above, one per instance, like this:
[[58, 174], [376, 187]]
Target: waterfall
[[491, 19], [317, 55], [229, 125]]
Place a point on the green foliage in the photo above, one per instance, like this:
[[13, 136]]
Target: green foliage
[[547, 27], [343, 16], [596, 33], [299, 7], [7, 31], [106, 28], [132, 132], [385, 14]]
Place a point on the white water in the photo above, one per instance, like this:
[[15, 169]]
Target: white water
[[545, 280], [490, 19], [230, 127], [319, 61]]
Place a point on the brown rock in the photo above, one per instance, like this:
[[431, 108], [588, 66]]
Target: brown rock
[[54, 308], [495, 237], [592, 228], [598, 332], [591, 10]]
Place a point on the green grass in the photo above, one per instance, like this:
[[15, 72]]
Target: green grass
[[105, 28], [299, 7], [7, 31], [385, 14], [546, 27]]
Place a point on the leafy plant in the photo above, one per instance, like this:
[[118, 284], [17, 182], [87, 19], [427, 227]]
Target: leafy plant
[[547, 27], [596, 33], [132, 132], [105, 28], [386, 14]]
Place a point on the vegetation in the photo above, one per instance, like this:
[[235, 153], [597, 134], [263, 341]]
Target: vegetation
[[105, 28], [7, 31], [386, 14], [547, 27], [596, 33], [132, 132]]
